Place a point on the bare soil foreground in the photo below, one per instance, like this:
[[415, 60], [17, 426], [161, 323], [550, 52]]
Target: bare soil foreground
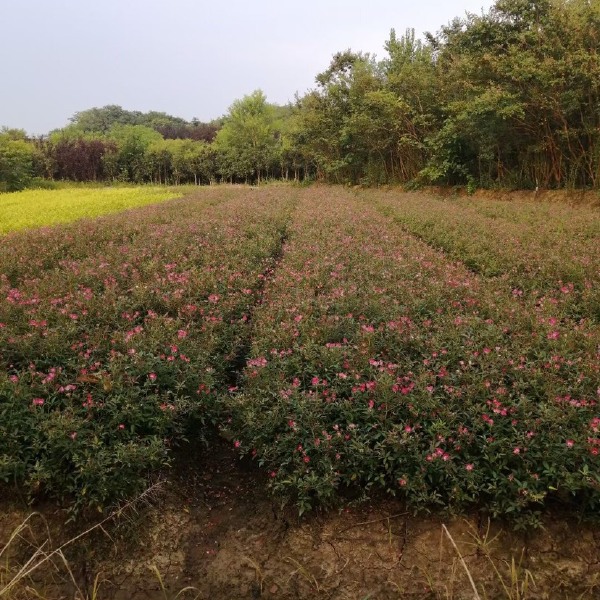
[[212, 532]]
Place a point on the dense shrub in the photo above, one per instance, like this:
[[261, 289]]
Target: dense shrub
[[378, 362], [339, 349], [116, 334]]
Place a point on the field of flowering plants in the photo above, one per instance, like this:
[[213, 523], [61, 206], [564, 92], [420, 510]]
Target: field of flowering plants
[[544, 248], [444, 352], [118, 335], [35, 208], [381, 362]]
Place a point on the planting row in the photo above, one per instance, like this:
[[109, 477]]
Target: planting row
[[118, 335], [379, 364], [25, 255], [544, 249]]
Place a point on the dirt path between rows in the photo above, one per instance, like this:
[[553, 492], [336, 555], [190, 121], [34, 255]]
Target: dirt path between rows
[[215, 529]]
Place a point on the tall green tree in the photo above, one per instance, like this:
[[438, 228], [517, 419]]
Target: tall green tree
[[328, 138], [521, 90], [366, 121], [102, 120], [249, 139], [133, 142], [16, 160]]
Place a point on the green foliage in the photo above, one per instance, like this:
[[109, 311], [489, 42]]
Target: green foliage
[[549, 249], [520, 85], [366, 122], [16, 161], [133, 141], [505, 98], [102, 120], [249, 139]]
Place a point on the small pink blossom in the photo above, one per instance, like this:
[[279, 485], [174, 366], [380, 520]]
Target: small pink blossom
[[38, 402], [261, 361]]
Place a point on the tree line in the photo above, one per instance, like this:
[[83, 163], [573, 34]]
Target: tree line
[[506, 98]]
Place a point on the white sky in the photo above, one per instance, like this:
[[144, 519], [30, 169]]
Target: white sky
[[189, 58]]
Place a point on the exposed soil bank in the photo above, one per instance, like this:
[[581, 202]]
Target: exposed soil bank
[[214, 528], [572, 197]]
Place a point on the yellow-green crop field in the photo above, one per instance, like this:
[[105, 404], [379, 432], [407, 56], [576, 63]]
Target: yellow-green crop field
[[36, 208]]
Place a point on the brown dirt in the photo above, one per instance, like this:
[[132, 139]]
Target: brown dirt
[[214, 528], [570, 197]]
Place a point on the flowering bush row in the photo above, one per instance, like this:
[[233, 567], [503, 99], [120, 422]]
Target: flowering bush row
[[377, 363], [118, 335], [542, 249]]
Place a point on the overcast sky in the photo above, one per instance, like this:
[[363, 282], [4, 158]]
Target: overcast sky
[[189, 58]]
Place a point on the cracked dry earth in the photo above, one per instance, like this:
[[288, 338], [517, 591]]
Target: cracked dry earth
[[214, 529]]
